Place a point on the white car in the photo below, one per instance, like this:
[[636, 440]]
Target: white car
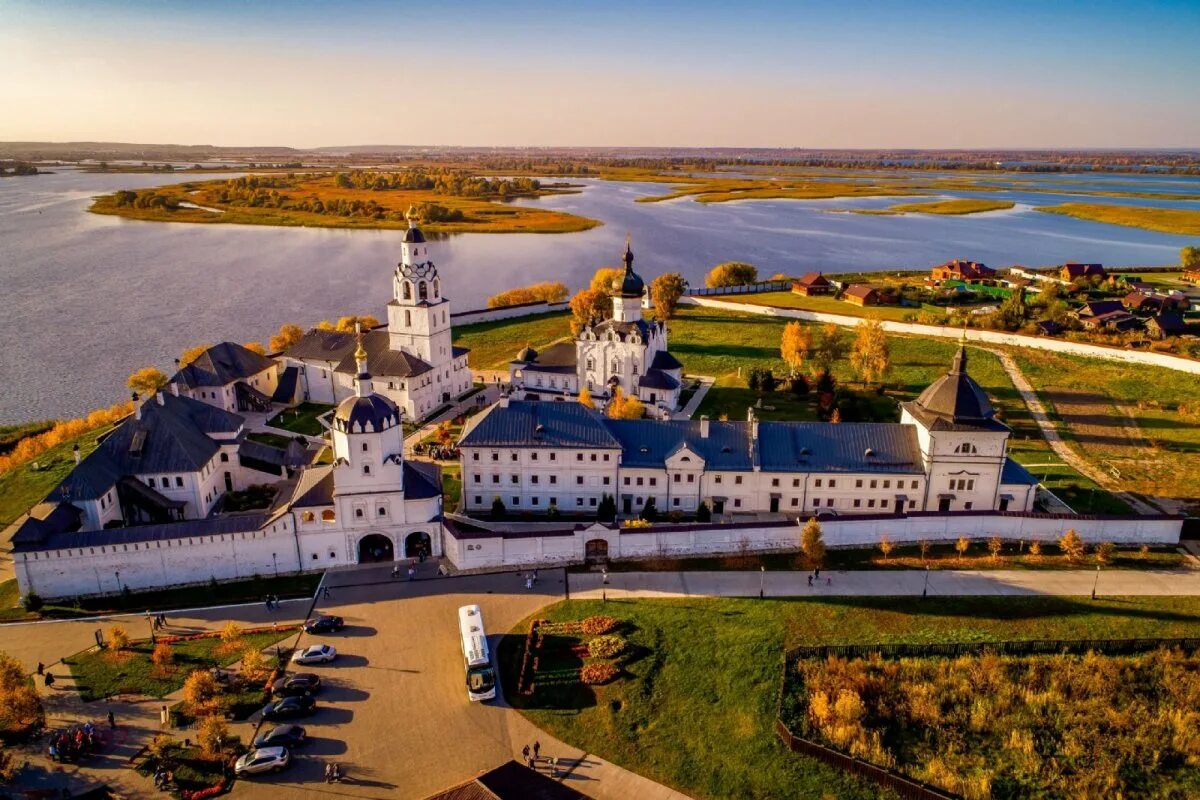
[[315, 654], [264, 759]]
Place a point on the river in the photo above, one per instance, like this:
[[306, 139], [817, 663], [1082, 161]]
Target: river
[[90, 298]]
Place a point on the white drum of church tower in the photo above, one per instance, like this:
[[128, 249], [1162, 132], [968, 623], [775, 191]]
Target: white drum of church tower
[[368, 439], [419, 314]]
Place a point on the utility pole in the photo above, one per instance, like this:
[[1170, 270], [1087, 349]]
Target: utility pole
[[1096, 582]]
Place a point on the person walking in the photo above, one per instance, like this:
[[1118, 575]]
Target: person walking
[[41, 668], [325, 594], [529, 582], [525, 754], [537, 748], [604, 575], [412, 571], [817, 574], [48, 680], [535, 575], [112, 721], [810, 580], [395, 571]]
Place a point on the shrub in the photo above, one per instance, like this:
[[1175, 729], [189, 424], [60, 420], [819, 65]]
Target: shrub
[[199, 691], [886, 546], [1071, 545], [962, 545], [117, 638], [598, 673], [607, 646], [995, 545], [1035, 548], [254, 665], [32, 602], [598, 624], [162, 657], [210, 734], [1105, 552]]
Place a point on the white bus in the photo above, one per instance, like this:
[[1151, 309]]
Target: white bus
[[481, 678]]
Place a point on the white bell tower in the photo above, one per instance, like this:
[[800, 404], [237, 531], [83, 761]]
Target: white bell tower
[[419, 314]]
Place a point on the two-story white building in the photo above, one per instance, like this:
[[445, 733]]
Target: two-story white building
[[229, 376]]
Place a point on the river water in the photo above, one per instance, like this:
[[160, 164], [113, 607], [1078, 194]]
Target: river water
[[88, 298]]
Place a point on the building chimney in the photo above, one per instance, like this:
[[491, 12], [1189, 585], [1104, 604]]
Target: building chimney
[[159, 397], [753, 420], [704, 427], [175, 389], [75, 452], [137, 407]]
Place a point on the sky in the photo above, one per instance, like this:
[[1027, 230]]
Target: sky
[[844, 74]]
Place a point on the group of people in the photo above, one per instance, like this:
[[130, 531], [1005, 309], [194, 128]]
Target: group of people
[[333, 772], [531, 579], [531, 754], [272, 601], [412, 569], [164, 779], [157, 621], [815, 578], [74, 743]]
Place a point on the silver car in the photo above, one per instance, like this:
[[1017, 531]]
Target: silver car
[[315, 654], [264, 759]]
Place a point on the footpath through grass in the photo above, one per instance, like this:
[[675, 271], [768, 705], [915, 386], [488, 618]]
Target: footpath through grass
[[301, 419], [696, 707]]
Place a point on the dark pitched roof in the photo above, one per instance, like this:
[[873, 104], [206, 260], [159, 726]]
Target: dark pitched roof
[[842, 447], [315, 487], [1170, 322], [955, 401], [212, 526], [44, 520], [294, 455], [372, 412], [557, 358], [649, 443], [665, 361], [221, 365], [657, 379], [1012, 472], [860, 290], [623, 329], [457, 351], [535, 424], [174, 436], [339, 347], [1077, 270], [967, 269], [1095, 308], [422, 480], [285, 390]]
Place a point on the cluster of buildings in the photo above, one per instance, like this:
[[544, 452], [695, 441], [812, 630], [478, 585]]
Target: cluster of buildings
[[182, 491]]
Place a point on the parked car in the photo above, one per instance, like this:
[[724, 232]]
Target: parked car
[[299, 684], [324, 624], [315, 654], [264, 759], [282, 736], [289, 707]]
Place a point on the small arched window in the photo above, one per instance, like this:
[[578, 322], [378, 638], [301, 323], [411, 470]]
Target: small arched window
[[591, 363], [366, 469], [437, 288], [407, 290], [308, 516], [328, 516], [408, 319], [966, 447], [422, 291], [616, 366]]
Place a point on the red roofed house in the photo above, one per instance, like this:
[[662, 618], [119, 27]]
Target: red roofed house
[[962, 271], [812, 283], [1071, 271], [1192, 275], [862, 294]]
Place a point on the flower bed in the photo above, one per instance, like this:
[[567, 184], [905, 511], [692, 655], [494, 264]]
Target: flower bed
[[566, 658], [598, 674]]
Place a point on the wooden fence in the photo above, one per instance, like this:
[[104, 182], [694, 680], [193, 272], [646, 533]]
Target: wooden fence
[[905, 787]]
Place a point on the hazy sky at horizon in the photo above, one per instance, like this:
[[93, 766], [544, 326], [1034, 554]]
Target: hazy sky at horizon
[[738, 74]]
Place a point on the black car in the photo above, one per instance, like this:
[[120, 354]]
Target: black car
[[289, 707], [324, 624], [297, 685], [288, 736]]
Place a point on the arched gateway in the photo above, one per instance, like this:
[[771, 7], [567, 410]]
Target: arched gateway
[[375, 547], [418, 544]]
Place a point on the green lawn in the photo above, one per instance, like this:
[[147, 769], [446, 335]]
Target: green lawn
[[451, 486], [494, 344], [301, 419], [99, 673], [23, 486], [697, 705]]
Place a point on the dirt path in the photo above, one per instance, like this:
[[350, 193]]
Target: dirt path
[[1054, 439]]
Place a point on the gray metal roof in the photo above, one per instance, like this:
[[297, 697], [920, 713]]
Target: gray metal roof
[[657, 379], [841, 447], [648, 443], [174, 436], [221, 365], [955, 401], [665, 361], [314, 488], [212, 526], [338, 347], [537, 424], [422, 480], [558, 358]]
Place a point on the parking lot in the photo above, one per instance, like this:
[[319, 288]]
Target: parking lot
[[393, 710]]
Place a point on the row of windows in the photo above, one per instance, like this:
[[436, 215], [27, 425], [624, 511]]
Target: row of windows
[[552, 456], [962, 484], [515, 479], [165, 482]]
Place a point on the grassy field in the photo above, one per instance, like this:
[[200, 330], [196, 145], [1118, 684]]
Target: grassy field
[[481, 215], [696, 705], [23, 486], [1124, 416], [101, 673], [301, 419], [952, 207], [1164, 220], [494, 344]]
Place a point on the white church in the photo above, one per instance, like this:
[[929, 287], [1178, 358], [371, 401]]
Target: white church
[[412, 360], [626, 353]]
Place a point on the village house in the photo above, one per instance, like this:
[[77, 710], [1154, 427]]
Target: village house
[[1072, 271], [961, 270], [1167, 323], [863, 294], [812, 283]]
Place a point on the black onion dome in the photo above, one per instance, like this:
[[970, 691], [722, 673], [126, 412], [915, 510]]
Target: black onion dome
[[414, 236], [527, 354], [956, 396], [372, 413], [630, 284]]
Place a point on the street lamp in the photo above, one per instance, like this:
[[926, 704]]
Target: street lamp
[[1096, 582], [118, 574], [925, 589], [762, 579], [275, 564]]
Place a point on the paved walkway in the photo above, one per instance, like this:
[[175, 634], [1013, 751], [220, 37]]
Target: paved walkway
[[489, 395], [1115, 582], [693, 403]]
